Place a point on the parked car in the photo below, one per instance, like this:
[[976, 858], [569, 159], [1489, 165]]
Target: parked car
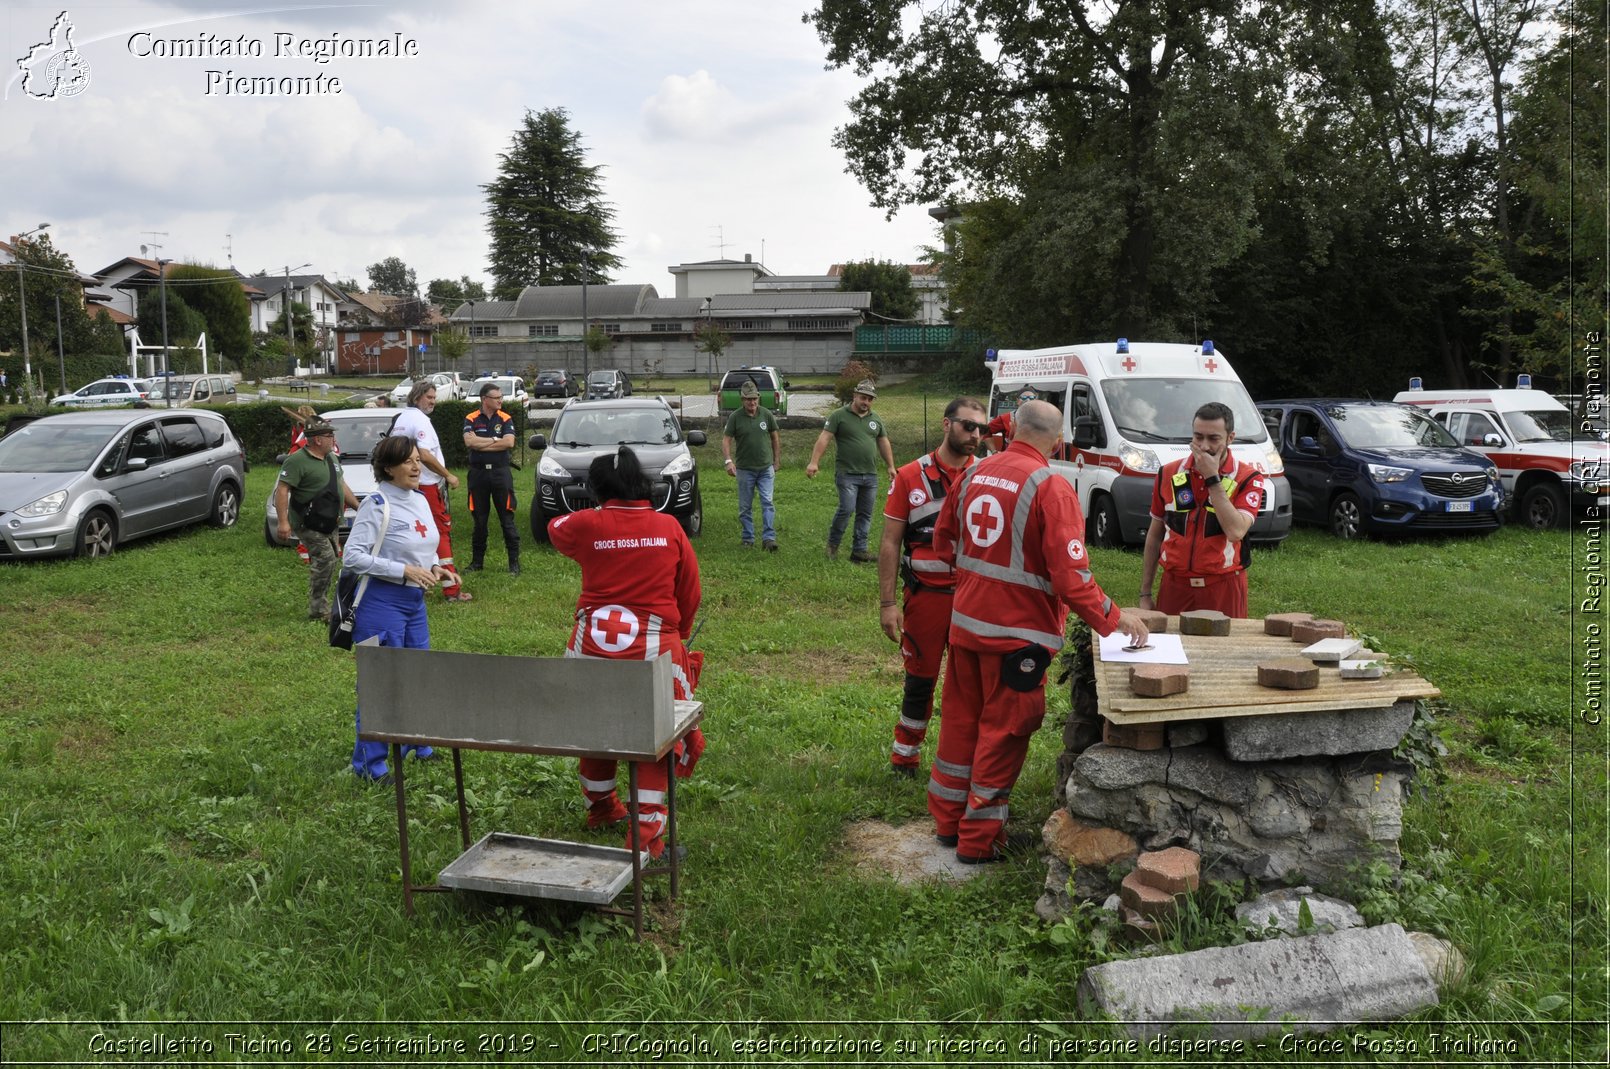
[[449, 385], [602, 385], [182, 392], [513, 387], [400, 392], [1373, 467], [586, 430], [103, 393], [357, 432], [82, 483], [773, 388], [556, 382]]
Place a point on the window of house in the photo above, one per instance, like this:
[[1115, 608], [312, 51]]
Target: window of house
[[612, 328], [479, 331], [816, 324], [542, 330], [666, 328], [751, 324]]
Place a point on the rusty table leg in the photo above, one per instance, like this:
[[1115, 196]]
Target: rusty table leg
[[670, 809], [463, 810], [637, 848]]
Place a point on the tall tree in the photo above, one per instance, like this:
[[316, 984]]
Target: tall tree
[[217, 296], [47, 275], [393, 276], [450, 293], [546, 215], [888, 282], [184, 324]]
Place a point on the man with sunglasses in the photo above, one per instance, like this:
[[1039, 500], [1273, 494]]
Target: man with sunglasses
[[920, 622]]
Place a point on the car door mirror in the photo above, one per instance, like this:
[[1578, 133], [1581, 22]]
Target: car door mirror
[[1492, 439], [1308, 444], [136, 464], [1084, 433], [537, 441]]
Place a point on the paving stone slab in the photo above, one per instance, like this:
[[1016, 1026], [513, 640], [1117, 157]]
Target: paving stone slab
[[1288, 673], [1281, 623], [1204, 622], [1159, 680], [1282, 910]]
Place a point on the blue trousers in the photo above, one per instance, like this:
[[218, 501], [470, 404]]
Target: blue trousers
[[856, 494], [750, 480], [397, 614]]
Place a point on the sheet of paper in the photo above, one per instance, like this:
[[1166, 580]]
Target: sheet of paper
[[1165, 649]]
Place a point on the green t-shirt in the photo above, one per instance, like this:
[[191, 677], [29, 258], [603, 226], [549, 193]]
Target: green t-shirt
[[856, 438], [306, 476], [751, 436]]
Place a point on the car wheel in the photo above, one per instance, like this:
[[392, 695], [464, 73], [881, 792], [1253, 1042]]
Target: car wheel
[[97, 535], [1346, 517], [1542, 507], [225, 506], [268, 535], [539, 523], [1104, 529], [693, 522]]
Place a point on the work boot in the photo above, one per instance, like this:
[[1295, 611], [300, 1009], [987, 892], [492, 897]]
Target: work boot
[[832, 551], [861, 556], [771, 545], [514, 568]]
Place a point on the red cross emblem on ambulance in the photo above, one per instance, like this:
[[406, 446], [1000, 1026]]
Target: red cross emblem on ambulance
[[613, 627]]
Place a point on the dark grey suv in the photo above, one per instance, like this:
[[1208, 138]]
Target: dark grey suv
[[588, 429]]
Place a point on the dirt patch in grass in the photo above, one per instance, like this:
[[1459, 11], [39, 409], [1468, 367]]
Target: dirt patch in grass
[[819, 665], [84, 739], [907, 854]]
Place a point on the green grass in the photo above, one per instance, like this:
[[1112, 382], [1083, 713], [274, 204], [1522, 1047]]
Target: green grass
[[180, 836]]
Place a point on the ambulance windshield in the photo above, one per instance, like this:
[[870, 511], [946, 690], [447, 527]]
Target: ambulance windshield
[[1161, 410], [1540, 425]]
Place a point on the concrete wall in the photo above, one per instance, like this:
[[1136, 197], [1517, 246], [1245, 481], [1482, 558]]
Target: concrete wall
[[794, 355]]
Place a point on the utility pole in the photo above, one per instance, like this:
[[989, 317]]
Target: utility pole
[[22, 302]]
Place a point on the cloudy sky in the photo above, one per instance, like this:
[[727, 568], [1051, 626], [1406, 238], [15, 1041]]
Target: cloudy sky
[[712, 119]]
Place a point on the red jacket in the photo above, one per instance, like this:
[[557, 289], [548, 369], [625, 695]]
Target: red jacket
[[639, 578], [916, 498], [1016, 536], [1193, 542]]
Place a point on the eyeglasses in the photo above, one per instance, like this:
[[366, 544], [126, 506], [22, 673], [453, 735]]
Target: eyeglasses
[[970, 427]]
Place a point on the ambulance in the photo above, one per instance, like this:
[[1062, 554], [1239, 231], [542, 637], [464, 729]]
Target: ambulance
[[1549, 463], [1127, 410]]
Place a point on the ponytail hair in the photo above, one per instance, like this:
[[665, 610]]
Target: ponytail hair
[[618, 476]]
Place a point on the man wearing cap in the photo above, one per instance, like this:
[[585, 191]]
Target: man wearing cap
[[309, 498], [752, 453], [858, 437]]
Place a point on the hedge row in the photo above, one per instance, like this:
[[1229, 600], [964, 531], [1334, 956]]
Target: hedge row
[[265, 430]]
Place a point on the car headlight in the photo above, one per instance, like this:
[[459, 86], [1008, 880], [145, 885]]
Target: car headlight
[[680, 466], [1384, 473], [1494, 478], [48, 505], [551, 468], [1142, 460], [1587, 471], [1273, 464]]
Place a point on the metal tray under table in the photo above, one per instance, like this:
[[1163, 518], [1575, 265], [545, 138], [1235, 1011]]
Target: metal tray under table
[[542, 868]]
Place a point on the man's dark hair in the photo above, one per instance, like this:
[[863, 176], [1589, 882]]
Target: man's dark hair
[[392, 450], [961, 403], [618, 476], [488, 387], [1217, 410]]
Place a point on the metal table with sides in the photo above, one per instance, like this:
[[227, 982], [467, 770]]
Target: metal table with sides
[[570, 707]]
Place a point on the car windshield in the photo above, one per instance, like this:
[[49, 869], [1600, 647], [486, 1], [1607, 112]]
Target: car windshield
[[355, 439], [1381, 427], [592, 428], [550, 376], [602, 378], [1540, 425], [171, 388], [53, 447], [1162, 410]]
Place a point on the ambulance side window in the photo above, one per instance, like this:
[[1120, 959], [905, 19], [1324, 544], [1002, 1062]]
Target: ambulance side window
[[1082, 405]]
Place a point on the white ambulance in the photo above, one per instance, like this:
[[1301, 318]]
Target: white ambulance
[[1127, 410], [1550, 463]]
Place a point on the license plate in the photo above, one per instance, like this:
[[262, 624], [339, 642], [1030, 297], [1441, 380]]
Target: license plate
[[1459, 506]]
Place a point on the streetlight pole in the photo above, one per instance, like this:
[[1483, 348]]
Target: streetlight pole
[[710, 356], [162, 291], [475, 365], [61, 357], [290, 339], [22, 302]]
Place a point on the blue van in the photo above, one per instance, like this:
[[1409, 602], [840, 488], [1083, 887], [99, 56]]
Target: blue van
[[1374, 467]]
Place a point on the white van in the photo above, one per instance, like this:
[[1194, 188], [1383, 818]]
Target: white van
[[1127, 411], [1549, 463]]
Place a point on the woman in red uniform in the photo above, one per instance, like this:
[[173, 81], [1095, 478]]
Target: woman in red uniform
[[639, 592]]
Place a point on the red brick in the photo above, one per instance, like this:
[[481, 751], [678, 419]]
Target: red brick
[[1137, 929], [1311, 632], [1134, 736], [1143, 898], [1204, 622], [1175, 870], [1289, 673], [1082, 844], [1156, 622], [1281, 623], [1159, 680]]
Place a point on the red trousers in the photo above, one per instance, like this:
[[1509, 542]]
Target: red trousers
[[444, 527], [922, 647], [984, 737], [1226, 593]]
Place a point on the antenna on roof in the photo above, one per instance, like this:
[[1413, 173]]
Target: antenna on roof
[[229, 248], [721, 242]]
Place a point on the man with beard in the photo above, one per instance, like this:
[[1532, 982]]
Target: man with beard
[[921, 623]]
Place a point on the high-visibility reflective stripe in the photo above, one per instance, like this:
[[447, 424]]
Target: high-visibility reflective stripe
[[959, 771], [930, 565], [1012, 573], [924, 511], [913, 725], [651, 638], [1085, 574], [987, 630], [681, 677], [597, 784], [650, 797], [950, 794], [990, 792], [905, 750], [1004, 574], [1020, 518], [992, 812]]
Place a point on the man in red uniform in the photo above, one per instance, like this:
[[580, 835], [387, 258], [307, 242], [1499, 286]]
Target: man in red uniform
[[1014, 533], [922, 624], [639, 593], [999, 433], [1202, 507]]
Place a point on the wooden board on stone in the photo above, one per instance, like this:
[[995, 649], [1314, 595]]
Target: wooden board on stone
[[1224, 682]]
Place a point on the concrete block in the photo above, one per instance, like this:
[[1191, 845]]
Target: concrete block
[[1240, 992], [1156, 622], [1134, 736], [1182, 733], [1175, 870], [1140, 896], [1331, 650], [1204, 622], [1281, 622], [1361, 668], [1084, 844], [1159, 680], [1311, 632], [1282, 909], [1347, 731], [1288, 673]]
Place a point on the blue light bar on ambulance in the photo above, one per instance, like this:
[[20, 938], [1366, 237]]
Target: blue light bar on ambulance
[[1415, 383], [1523, 382], [989, 356], [1123, 346], [1207, 346]]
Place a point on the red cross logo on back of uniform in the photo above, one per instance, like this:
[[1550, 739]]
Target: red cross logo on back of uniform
[[986, 521], [613, 628], [420, 527]]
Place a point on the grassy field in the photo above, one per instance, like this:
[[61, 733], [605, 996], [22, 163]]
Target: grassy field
[[181, 840]]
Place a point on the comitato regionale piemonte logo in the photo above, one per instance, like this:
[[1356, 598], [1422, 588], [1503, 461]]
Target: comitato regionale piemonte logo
[[53, 68]]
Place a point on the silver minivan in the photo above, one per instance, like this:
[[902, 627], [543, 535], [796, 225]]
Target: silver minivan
[[182, 391]]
